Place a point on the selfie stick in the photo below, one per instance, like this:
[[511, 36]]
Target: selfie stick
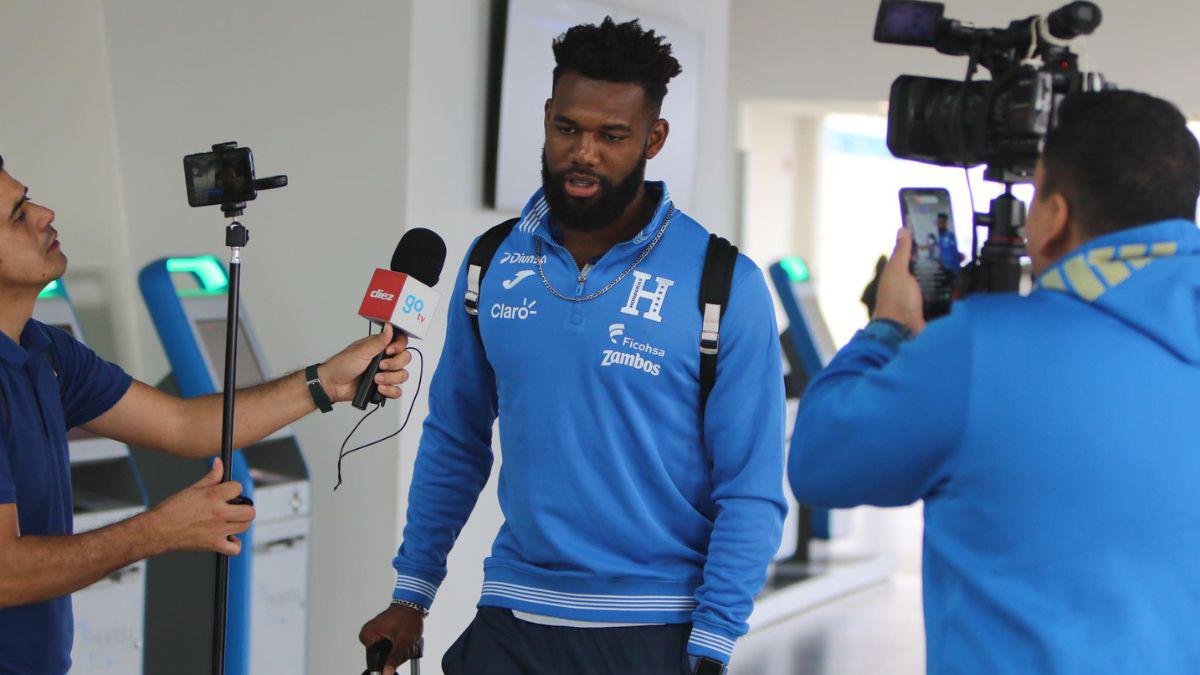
[[236, 238]]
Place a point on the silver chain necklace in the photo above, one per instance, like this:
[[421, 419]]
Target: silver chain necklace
[[537, 254]]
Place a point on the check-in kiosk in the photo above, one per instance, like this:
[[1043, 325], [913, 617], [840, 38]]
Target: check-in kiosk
[[109, 614], [268, 582], [808, 347]]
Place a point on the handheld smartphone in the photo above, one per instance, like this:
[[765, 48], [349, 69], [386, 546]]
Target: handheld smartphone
[[936, 260], [220, 177]]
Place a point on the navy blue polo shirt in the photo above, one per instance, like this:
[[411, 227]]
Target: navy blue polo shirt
[[35, 470]]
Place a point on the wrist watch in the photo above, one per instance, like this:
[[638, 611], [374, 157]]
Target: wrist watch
[[319, 396], [707, 666]]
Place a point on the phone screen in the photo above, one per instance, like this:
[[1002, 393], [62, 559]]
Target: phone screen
[[936, 260], [221, 177]]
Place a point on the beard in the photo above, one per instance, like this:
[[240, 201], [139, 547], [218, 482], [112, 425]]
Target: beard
[[597, 212]]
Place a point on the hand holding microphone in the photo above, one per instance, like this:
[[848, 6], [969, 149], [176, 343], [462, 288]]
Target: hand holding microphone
[[402, 298], [340, 375]]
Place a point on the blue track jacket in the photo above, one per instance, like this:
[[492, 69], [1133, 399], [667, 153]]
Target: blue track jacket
[[622, 503], [1055, 440]]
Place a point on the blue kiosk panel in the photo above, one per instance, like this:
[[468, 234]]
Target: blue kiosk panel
[[188, 299], [811, 343], [106, 488]]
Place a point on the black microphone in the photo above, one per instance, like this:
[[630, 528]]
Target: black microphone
[[1071, 21], [421, 254]]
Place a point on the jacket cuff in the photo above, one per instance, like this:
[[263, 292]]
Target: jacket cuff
[[711, 641], [414, 589], [886, 332]]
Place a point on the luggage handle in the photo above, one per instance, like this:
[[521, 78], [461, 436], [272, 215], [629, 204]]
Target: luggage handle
[[378, 652]]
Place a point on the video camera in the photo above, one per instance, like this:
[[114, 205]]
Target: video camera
[[1001, 122]]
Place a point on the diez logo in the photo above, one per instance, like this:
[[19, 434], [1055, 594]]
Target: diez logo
[[509, 284], [639, 293], [513, 312], [380, 294], [412, 304], [510, 258]]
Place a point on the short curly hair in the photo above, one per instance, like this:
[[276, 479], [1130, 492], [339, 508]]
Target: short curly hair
[[618, 52], [1122, 158]]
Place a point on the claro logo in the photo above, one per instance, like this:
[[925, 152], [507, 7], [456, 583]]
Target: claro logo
[[501, 310], [380, 294]]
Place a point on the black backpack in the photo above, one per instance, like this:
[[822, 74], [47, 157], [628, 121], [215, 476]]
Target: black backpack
[[715, 285]]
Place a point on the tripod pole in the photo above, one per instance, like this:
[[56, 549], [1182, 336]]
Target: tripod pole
[[997, 268], [236, 237]]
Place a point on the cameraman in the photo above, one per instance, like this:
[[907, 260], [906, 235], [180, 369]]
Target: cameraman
[[50, 383], [1055, 438]]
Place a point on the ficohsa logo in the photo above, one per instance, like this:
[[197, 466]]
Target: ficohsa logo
[[635, 361], [380, 294]]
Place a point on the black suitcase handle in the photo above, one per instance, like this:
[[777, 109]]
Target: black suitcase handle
[[377, 656]]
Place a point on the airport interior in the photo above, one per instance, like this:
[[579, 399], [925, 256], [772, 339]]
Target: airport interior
[[389, 115]]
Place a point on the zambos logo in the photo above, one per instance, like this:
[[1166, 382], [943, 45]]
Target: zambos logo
[[635, 361]]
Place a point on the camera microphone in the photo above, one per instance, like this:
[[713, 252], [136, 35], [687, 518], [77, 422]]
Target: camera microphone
[[1071, 21], [402, 296]]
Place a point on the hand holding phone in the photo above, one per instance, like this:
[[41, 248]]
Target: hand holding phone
[[936, 260]]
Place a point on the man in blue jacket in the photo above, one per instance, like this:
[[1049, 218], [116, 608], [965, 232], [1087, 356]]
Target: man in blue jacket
[[638, 524], [1055, 438]]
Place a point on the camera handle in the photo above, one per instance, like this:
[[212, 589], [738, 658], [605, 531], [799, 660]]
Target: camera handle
[[997, 268]]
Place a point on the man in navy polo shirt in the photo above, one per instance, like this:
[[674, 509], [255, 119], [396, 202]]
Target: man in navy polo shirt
[[52, 383]]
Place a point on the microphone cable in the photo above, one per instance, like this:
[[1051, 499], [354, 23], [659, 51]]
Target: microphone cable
[[344, 453]]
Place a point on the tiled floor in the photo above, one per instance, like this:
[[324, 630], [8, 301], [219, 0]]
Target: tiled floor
[[874, 631]]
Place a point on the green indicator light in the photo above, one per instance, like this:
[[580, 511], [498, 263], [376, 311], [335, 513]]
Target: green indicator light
[[52, 290], [207, 270], [795, 268]]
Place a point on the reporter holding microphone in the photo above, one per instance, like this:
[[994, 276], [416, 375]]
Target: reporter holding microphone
[[51, 383]]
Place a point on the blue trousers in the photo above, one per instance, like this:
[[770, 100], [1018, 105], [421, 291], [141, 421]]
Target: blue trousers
[[497, 643]]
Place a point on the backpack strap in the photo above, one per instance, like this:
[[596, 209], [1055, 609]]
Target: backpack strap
[[715, 285], [478, 261]]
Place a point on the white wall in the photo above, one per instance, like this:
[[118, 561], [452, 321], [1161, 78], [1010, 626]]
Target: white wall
[[822, 51], [792, 61], [319, 91], [56, 136], [447, 95]]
